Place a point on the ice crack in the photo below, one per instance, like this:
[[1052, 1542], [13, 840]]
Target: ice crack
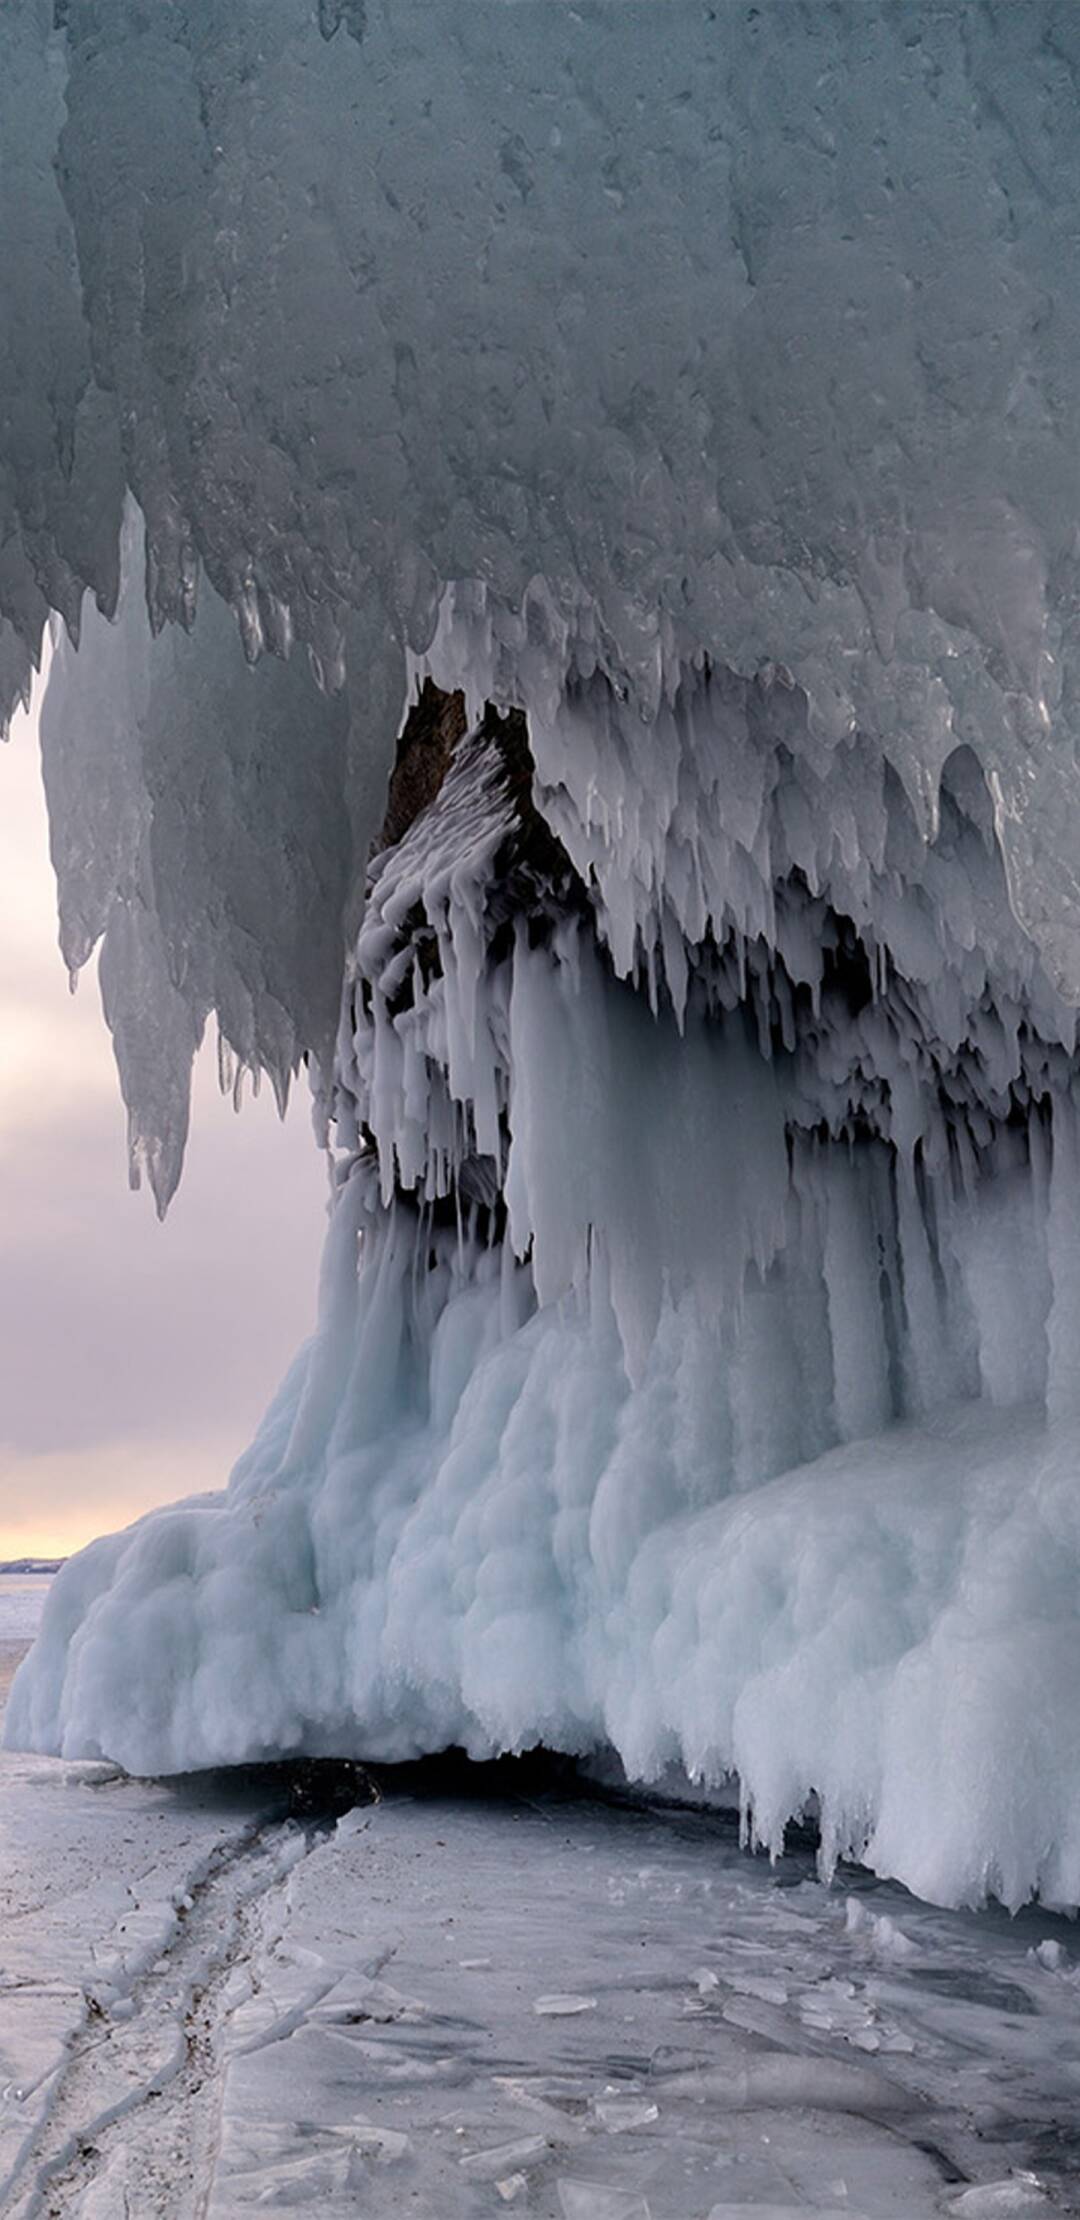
[[133, 2122]]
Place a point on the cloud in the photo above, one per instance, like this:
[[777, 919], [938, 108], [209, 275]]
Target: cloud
[[50, 1504], [135, 1359]]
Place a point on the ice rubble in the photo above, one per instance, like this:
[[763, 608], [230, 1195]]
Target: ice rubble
[[685, 427]]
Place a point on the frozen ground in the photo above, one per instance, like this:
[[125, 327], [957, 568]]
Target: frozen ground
[[489, 1992]]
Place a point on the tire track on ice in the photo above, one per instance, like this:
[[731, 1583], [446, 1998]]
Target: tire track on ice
[[132, 2127]]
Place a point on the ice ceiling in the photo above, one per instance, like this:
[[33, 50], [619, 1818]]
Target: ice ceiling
[[651, 435]]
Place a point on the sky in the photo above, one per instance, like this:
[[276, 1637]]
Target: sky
[[135, 1358]]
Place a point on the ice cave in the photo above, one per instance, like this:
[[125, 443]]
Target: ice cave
[[557, 529]]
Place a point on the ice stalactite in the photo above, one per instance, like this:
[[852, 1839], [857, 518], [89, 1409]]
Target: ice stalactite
[[686, 1345], [682, 352], [196, 868]]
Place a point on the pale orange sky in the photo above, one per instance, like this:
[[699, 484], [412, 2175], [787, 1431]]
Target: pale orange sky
[[135, 1358]]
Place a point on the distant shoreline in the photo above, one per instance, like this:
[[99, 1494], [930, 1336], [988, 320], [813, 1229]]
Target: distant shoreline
[[32, 1565]]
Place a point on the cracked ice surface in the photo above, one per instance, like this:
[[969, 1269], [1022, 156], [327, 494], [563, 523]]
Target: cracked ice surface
[[99, 1877], [206, 2011]]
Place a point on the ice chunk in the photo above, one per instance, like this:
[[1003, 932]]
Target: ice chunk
[[1020, 2194], [587, 2200], [506, 2158], [783, 2212], [885, 1940], [383, 2145], [621, 2115], [1052, 1955], [825, 2084]]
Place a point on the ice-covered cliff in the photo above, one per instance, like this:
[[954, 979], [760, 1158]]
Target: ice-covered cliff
[[659, 428]]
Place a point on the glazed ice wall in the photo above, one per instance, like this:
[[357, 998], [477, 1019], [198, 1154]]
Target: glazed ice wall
[[701, 385], [678, 1391]]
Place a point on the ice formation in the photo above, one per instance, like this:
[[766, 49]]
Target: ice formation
[[660, 431]]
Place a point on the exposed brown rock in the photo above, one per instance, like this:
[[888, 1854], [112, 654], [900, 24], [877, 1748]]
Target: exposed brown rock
[[429, 735]]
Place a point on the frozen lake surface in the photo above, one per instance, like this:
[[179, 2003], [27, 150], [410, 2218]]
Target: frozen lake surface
[[493, 1991], [22, 1597]]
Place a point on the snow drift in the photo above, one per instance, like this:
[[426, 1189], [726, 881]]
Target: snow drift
[[661, 435]]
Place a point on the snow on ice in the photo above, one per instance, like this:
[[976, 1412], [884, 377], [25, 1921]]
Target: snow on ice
[[664, 429]]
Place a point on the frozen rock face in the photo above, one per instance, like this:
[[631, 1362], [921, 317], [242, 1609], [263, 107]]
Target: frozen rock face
[[683, 1373], [666, 424]]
